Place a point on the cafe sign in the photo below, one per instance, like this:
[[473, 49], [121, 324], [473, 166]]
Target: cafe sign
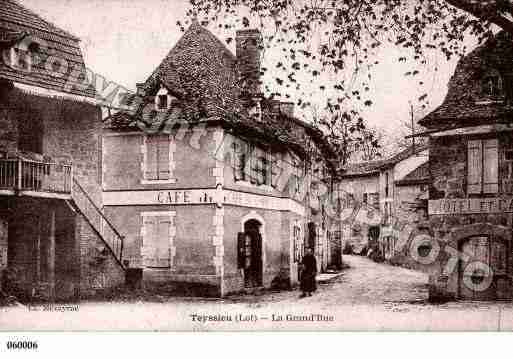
[[471, 205], [218, 197]]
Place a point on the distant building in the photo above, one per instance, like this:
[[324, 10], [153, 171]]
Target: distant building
[[51, 245], [471, 169], [379, 194], [215, 186]]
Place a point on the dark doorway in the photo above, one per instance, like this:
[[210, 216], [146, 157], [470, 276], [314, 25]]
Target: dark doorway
[[253, 243], [475, 281]]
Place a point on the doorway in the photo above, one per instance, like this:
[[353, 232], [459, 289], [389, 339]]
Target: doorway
[[482, 277], [253, 254]]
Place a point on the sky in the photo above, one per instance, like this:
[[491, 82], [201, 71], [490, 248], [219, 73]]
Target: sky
[[125, 40]]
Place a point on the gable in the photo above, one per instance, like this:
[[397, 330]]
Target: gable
[[56, 46]]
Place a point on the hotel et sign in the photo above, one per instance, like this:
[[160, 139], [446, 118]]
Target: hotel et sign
[[471, 205]]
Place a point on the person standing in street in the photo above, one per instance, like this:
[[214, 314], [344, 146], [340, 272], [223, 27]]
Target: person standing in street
[[308, 273]]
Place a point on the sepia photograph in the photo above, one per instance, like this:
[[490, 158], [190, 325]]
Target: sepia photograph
[[255, 166]]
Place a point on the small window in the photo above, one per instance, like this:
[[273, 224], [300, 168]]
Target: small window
[[162, 102], [493, 85], [21, 59], [482, 166]]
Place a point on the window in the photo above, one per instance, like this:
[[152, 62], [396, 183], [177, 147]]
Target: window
[[275, 170], [21, 59], [240, 156], [158, 232], [259, 167], [482, 166], [298, 241], [387, 184], [254, 164], [162, 102], [493, 86], [157, 158], [298, 175], [371, 199]]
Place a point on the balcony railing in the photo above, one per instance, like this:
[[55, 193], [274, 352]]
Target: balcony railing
[[22, 175]]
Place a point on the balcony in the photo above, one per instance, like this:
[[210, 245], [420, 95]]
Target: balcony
[[24, 177]]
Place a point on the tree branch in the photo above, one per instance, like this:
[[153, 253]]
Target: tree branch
[[484, 12]]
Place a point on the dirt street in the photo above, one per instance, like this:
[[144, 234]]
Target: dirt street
[[367, 296]]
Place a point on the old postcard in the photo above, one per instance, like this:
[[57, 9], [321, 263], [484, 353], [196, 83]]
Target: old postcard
[[206, 165]]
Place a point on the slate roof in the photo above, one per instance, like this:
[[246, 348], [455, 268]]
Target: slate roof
[[17, 21], [373, 167], [199, 65], [461, 105]]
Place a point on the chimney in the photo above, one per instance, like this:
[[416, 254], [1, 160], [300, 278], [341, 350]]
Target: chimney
[[248, 50]]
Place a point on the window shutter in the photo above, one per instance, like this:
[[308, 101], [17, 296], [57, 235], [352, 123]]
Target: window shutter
[[151, 158], [163, 248], [491, 166], [149, 248], [239, 163], [275, 170], [475, 162], [241, 250], [163, 144]]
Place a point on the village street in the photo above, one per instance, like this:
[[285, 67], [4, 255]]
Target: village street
[[367, 296]]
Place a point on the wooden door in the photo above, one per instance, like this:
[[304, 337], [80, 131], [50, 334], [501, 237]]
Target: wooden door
[[253, 256], [487, 264]]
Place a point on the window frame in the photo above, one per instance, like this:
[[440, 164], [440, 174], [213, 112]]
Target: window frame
[[482, 146], [251, 162], [145, 161], [171, 215]]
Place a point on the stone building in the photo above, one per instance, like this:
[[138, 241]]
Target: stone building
[[216, 187], [50, 241], [470, 165], [380, 194]]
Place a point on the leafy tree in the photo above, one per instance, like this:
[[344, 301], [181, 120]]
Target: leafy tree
[[330, 47]]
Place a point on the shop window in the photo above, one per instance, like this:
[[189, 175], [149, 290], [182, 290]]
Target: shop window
[[157, 159], [482, 166], [157, 239]]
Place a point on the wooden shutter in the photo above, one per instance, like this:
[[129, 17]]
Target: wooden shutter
[[490, 166], [163, 157], [149, 247], [474, 166], [239, 163], [275, 170], [498, 258], [151, 171], [241, 250], [163, 248]]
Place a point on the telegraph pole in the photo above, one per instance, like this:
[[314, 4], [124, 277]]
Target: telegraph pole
[[412, 128]]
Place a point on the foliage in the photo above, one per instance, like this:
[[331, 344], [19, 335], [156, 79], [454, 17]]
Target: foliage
[[331, 46]]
